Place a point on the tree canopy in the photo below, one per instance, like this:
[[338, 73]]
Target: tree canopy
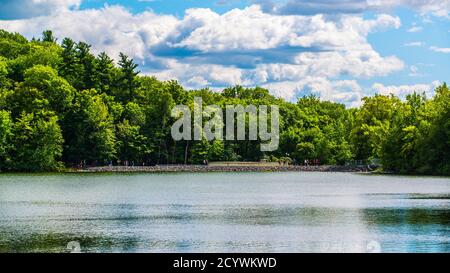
[[62, 106]]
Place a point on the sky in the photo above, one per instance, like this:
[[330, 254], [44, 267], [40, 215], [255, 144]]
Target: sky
[[337, 50]]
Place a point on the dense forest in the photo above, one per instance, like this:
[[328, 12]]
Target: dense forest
[[61, 106]]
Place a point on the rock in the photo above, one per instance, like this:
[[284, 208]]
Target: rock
[[203, 168]]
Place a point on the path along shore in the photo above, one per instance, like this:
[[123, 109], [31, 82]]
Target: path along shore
[[211, 168]]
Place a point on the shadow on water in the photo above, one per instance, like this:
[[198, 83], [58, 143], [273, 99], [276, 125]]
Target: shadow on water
[[393, 222], [411, 216], [276, 212], [60, 243]]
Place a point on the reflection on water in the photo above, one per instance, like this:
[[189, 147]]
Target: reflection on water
[[252, 212]]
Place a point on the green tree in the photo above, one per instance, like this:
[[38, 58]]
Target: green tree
[[37, 142], [134, 113], [106, 112], [87, 78], [158, 103], [200, 151], [106, 73], [372, 124], [5, 138], [399, 146], [69, 68], [40, 53], [47, 36], [4, 80], [13, 45], [53, 88], [432, 155], [132, 144], [90, 136], [127, 80]]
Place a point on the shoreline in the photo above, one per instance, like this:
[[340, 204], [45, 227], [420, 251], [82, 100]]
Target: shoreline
[[209, 168]]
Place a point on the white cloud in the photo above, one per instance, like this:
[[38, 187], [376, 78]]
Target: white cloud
[[359, 64], [250, 29], [112, 29], [16, 9], [414, 71], [347, 92], [415, 29], [414, 44], [403, 90], [435, 7], [243, 46], [194, 75], [309, 7], [440, 49], [197, 82], [310, 46]]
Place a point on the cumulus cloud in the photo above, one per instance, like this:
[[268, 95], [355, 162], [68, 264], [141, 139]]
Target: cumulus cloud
[[19, 9], [347, 92], [250, 29], [403, 90], [112, 29], [414, 71], [415, 29], [243, 46], [191, 75], [440, 49], [310, 7], [414, 44]]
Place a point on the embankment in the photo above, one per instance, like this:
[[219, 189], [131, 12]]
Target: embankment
[[209, 168]]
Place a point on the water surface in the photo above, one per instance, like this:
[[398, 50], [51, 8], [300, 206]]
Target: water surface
[[224, 212]]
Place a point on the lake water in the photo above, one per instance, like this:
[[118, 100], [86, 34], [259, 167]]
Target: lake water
[[224, 212]]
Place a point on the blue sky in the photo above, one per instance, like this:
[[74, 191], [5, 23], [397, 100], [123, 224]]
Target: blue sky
[[338, 50], [173, 7]]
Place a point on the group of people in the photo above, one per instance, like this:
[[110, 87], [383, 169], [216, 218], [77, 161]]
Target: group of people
[[314, 162]]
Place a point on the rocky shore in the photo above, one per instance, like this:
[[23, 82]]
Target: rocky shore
[[205, 168]]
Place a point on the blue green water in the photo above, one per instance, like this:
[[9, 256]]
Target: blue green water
[[224, 212]]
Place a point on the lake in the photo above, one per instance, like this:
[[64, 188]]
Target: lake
[[224, 212]]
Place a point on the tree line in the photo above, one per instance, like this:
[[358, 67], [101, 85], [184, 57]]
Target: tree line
[[62, 106]]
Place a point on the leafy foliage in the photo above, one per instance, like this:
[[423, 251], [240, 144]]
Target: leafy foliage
[[60, 105]]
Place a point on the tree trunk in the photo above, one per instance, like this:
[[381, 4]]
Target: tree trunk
[[159, 151], [173, 152], [186, 152]]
